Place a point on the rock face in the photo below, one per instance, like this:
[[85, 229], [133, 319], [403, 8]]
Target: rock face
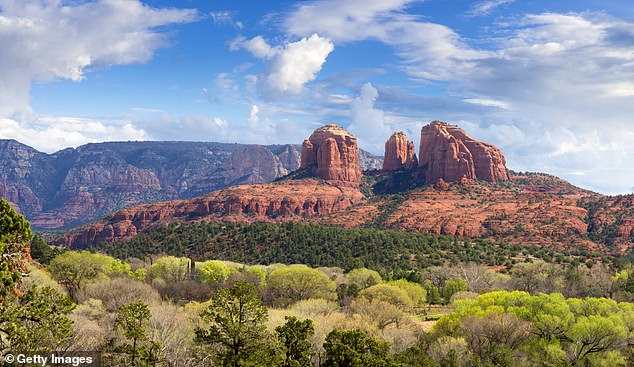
[[285, 201], [333, 154], [447, 152], [399, 153], [74, 186]]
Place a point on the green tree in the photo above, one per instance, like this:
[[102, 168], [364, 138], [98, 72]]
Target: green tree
[[294, 338], [30, 319], [133, 320], [41, 251], [213, 271], [236, 317], [15, 234], [363, 277], [451, 287], [75, 269], [355, 348], [388, 293], [292, 284], [171, 269]]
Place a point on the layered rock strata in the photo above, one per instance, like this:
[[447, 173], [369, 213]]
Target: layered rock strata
[[447, 152], [399, 153], [332, 153]]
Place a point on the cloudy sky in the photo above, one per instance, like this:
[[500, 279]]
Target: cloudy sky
[[549, 82]]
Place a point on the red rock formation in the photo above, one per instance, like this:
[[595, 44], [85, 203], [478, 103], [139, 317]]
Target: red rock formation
[[447, 152], [334, 152], [399, 153], [288, 200]]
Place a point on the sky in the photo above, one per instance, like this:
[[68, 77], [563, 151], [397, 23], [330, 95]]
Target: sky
[[551, 83]]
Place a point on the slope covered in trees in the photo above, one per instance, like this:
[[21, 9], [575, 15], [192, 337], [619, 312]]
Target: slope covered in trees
[[319, 245]]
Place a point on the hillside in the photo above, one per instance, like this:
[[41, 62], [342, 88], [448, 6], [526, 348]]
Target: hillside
[[76, 186], [487, 201]]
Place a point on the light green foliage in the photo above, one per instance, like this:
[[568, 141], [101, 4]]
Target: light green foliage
[[415, 291], [214, 271], [355, 348], [259, 271], [565, 331], [364, 278], [451, 287], [236, 330], [171, 269], [294, 338], [289, 285], [388, 293], [75, 269], [133, 320]]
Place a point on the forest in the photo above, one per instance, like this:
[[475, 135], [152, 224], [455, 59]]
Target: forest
[[321, 245], [160, 309]]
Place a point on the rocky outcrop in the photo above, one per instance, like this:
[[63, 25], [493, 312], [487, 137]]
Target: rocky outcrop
[[447, 152], [399, 153], [332, 153], [261, 166], [284, 201], [75, 186]]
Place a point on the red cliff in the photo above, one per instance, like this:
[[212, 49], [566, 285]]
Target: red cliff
[[333, 154], [399, 153], [447, 152]]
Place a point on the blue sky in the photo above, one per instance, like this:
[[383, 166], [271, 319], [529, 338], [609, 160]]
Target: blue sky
[[549, 82]]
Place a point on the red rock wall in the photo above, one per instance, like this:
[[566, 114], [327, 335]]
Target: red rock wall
[[399, 153], [334, 153], [447, 152]]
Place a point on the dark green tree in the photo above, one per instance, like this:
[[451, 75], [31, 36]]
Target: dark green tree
[[293, 337], [355, 348], [236, 317], [15, 234], [30, 319], [133, 320]]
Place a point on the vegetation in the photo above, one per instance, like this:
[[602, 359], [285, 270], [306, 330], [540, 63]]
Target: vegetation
[[318, 245], [158, 310]]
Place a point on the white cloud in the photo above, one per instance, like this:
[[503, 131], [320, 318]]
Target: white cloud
[[253, 117], [559, 86], [53, 39], [52, 133], [368, 122], [429, 50], [256, 46], [291, 66], [225, 18], [486, 7]]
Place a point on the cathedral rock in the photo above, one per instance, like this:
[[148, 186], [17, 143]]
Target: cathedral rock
[[447, 152], [333, 154], [399, 153]]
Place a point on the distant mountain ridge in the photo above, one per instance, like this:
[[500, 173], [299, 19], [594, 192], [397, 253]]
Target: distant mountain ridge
[[75, 186]]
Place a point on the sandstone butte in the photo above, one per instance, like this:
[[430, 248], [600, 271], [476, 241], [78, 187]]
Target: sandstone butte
[[332, 153], [518, 208], [448, 153], [399, 153]]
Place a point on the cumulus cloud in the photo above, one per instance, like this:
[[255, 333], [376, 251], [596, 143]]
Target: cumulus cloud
[[291, 66], [253, 117], [558, 85], [368, 122], [53, 39], [429, 50]]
